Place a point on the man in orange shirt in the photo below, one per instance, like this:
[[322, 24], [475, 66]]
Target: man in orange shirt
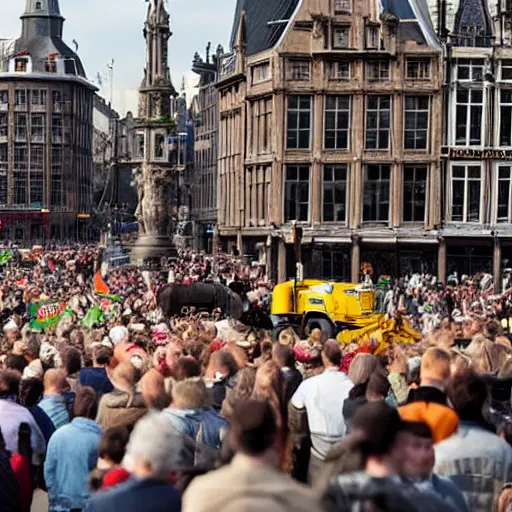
[[429, 403]]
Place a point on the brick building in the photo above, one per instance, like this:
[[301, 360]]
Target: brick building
[[46, 105]]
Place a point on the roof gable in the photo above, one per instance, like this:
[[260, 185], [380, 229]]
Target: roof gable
[[265, 22]]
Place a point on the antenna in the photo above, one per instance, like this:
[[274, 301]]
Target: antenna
[[111, 79]]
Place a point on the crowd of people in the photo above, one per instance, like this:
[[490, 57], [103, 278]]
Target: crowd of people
[[200, 413]]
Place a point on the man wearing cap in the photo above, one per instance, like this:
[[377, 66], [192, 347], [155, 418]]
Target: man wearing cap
[[251, 481], [321, 398]]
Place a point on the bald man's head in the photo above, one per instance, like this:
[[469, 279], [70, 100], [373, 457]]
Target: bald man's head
[[55, 382]]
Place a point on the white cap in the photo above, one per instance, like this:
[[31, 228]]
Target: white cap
[[11, 325], [118, 334]]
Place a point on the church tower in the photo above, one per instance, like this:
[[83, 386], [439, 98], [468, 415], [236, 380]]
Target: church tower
[[152, 132]]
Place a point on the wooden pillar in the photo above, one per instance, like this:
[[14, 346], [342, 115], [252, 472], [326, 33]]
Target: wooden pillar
[[496, 270], [281, 262], [441, 261], [355, 260], [316, 168]]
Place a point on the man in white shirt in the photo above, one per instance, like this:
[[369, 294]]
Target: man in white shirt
[[321, 398]]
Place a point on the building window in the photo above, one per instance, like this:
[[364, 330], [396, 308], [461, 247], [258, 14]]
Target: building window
[[506, 69], [20, 174], [4, 124], [341, 37], [342, 5], [159, 145], [140, 143], [4, 97], [339, 70], [506, 117], [37, 128], [418, 69], [376, 193], [20, 65], [377, 70], [36, 174], [296, 193], [335, 193], [57, 101], [299, 122], [3, 174], [469, 117], [260, 72], [39, 97], [337, 122], [378, 118], [372, 38], [471, 70], [415, 186], [298, 70], [57, 129], [56, 177], [20, 97], [417, 114], [20, 127], [50, 65], [504, 194], [466, 192]]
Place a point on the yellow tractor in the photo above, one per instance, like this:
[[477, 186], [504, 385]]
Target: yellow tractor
[[328, 305], [343, 311]]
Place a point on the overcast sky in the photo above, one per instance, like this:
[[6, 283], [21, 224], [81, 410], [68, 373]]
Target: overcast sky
[[112, 29]]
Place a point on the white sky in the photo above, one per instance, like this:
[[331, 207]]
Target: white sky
[[112, 29]]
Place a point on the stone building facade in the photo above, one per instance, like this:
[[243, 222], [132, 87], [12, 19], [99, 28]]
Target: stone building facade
[[477, 144], [330, 114], [205, 116], [46, 132]]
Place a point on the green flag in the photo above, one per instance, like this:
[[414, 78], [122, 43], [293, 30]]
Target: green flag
[[93, 317], [5, 256]]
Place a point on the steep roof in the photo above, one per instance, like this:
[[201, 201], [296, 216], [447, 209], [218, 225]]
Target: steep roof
[[259, 34], [414, 20]]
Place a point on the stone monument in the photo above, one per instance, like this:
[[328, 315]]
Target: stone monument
[[155, 173]]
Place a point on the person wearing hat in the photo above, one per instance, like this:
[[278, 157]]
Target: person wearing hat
[[251, 481], [379, 486]]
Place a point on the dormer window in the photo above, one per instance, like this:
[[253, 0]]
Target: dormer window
[[50, 66], [20, 65]]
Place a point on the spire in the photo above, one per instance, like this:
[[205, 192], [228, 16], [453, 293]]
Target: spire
[[157, 32], [156, 89], [42, 18]]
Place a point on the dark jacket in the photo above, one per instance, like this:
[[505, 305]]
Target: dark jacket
[[135, 495], [9, 489], [292, 379], [347, 493], [97, 379]]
